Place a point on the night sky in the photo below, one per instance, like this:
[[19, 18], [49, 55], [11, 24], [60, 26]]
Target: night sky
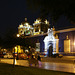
[[13, 12]]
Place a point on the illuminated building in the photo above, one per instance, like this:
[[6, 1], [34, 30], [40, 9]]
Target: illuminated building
[[51, 39], [63, 41], [66, 41], [40, 26], [25, 28]]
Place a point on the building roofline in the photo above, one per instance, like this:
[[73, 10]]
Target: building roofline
[[36, 35], [59, 31], [65, 30]]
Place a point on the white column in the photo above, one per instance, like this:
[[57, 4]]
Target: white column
[[46, 47], [54, 46]]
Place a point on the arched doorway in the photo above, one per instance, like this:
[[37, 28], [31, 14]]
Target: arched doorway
[[50, 50]]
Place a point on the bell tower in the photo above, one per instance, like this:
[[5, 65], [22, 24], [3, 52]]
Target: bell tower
[[40, 26]]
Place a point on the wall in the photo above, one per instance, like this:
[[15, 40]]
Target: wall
[[62, 37], [33, 41]]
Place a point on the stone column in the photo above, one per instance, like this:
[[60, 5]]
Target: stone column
[[57, 45], [54, 46]]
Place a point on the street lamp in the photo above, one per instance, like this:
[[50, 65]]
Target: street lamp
[[18, 35], [17, 46]]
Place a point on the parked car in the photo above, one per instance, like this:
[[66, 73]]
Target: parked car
[[57, 55], [22, 56], [8, 55]]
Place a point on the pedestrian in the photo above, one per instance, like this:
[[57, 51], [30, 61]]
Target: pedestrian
[[39, 61], [32, 60]]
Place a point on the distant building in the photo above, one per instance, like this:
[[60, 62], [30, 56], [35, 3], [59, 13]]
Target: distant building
[[25, 28], [63, 41], [39, 27]]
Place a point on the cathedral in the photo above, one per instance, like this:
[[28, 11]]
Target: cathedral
[[39, 27], [43, 36]]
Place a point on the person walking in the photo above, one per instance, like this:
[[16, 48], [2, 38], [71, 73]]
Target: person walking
[[32, 60], [39, 61]]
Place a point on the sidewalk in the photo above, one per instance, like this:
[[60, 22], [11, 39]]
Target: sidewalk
[[64, 59]]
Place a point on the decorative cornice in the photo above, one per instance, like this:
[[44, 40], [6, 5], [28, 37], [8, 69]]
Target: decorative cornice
[[59, 31], [65, 30]]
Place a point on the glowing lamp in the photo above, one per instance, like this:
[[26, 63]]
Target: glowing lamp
[[18, 35], [20, 25], [27, 24]]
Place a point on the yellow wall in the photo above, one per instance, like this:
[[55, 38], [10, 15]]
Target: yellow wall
[[66, 45], [57, 45]]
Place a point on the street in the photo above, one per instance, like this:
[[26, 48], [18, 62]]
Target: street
[[65, 67]]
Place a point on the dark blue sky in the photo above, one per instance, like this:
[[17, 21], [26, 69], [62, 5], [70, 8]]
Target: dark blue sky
[[13, 12]]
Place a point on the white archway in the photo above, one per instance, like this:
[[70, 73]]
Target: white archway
[[50, 39]]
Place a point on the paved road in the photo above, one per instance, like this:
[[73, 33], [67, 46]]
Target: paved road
[[65, 67]]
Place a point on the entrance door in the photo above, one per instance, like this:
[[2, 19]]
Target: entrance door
[[50, 50]]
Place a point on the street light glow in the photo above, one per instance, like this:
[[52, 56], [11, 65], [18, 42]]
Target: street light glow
[[18, 35]]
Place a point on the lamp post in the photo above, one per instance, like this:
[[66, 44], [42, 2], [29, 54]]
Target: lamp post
[[17, 46], [14, 60]]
